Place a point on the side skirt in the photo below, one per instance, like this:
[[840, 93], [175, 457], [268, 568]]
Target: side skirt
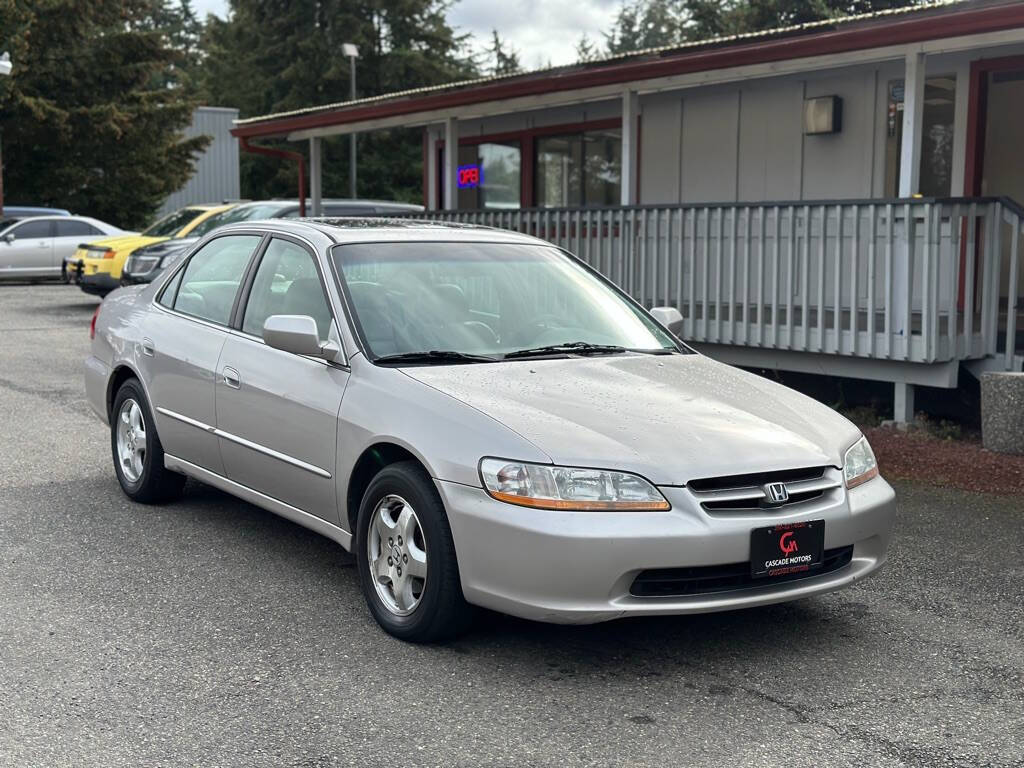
[[268, 503]]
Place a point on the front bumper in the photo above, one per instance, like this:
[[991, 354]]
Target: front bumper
[[98, 284], [578, 567]]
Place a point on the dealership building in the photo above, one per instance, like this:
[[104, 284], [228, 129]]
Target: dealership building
[[840, 197]]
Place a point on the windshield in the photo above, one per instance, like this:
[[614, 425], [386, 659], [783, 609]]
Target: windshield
[[172, 223], [239, 213], [486, 299]]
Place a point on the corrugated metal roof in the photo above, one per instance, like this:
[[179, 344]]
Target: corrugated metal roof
[[712, 42]]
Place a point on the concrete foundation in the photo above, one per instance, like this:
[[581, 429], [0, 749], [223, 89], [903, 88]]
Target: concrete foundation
[[1002, 412]]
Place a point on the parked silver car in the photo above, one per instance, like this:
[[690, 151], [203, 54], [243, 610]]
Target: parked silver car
[[34, 247], [483, 420]]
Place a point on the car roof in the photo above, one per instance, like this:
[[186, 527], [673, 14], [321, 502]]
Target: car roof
[[356, 229]]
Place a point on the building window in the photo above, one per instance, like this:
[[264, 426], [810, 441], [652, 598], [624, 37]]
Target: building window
[[936, 137], [583, 169], [492, 176]]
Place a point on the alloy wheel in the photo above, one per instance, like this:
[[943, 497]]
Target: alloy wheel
[[397, 555], [131, 440]]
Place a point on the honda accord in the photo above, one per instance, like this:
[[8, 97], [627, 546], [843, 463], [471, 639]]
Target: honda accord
[[483, 420]]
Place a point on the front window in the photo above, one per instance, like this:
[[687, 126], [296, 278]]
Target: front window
[[490, 176], [171, 224], [582, 169], [486, 299]]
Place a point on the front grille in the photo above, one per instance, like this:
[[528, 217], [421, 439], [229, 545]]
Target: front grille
[[740, 493], [702, 580]]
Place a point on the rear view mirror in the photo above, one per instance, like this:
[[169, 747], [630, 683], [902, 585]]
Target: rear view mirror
[[297, 334], [9, 238], [670, 317]]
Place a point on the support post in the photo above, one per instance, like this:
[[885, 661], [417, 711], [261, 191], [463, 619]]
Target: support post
[[630, 146], [352, 136], [315, 176], [432, 182], [903, 403], [451, 163], [909, 185], [913, 111]]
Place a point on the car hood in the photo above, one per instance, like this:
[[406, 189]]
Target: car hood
[[125, 243], [670, 418]]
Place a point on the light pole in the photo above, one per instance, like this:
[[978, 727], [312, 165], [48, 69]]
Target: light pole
[[5, 69], [350, 50]]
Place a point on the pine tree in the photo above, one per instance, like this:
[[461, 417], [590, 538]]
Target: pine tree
[[504, 59], [271, 55], [586, 50], [649, 23], [92, 114]]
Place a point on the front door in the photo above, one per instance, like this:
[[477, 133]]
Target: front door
[[180, 348], [30, 252], [277, 413]]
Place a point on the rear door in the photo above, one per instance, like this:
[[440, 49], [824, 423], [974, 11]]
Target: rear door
[[30, 253], [183, 343], [68, 236], [277, 413]]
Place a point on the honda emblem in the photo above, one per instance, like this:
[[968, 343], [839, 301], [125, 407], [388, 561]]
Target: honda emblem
[[776, 493]]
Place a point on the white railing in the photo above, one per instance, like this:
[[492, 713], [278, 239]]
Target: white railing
[[917, 280]]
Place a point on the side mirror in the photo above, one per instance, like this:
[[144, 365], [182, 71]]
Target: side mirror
[[297, 334], [670, 317], [9, 238]]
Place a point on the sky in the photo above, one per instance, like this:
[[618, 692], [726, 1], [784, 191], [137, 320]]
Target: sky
[[542, 31]]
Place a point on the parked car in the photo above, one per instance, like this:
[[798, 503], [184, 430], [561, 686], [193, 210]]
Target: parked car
[[22, 211], [483, 420], [35, 246], [145, 264], [96, 266]]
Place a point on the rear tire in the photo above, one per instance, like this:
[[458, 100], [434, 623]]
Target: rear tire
[[136, 449], [406, 558]]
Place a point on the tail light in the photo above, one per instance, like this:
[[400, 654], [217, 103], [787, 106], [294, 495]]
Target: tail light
[[92, 323]]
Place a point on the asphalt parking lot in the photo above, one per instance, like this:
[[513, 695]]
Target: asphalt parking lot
[[212, 633]]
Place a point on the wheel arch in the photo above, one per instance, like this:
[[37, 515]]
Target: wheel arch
[[121, 373], [371, 461]]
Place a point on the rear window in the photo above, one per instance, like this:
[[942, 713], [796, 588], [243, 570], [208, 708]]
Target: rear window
[[72, 228]]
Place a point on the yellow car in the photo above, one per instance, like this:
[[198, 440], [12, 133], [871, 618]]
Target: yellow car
[[97, 266]]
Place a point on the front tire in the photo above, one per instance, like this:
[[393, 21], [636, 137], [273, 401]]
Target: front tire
[[406, 557], [137, 452]]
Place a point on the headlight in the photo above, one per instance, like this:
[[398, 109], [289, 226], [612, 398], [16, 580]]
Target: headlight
[[859, 464], [546, 487]]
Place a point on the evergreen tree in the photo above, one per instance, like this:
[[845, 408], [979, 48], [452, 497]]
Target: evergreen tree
[[649, 23], [275, 55], [504, 59], [586, 50], [93, 112]]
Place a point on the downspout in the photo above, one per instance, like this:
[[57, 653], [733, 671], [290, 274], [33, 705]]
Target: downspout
[[287, 155]]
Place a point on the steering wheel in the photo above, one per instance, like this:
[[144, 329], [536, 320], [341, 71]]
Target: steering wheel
[[483, 330], [545, 322]]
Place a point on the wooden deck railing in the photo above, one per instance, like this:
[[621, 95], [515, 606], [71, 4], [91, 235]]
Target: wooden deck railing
[[920, 280]]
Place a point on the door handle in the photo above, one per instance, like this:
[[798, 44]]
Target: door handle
[[147, 347], [43, 244], [232, 379]]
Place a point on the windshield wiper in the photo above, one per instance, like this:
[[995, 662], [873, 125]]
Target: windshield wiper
[[569, 347], [434, 356]]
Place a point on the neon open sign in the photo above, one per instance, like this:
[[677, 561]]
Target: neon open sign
[[470, 176]]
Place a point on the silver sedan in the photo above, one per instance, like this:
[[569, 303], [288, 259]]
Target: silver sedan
[[484, 421]]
